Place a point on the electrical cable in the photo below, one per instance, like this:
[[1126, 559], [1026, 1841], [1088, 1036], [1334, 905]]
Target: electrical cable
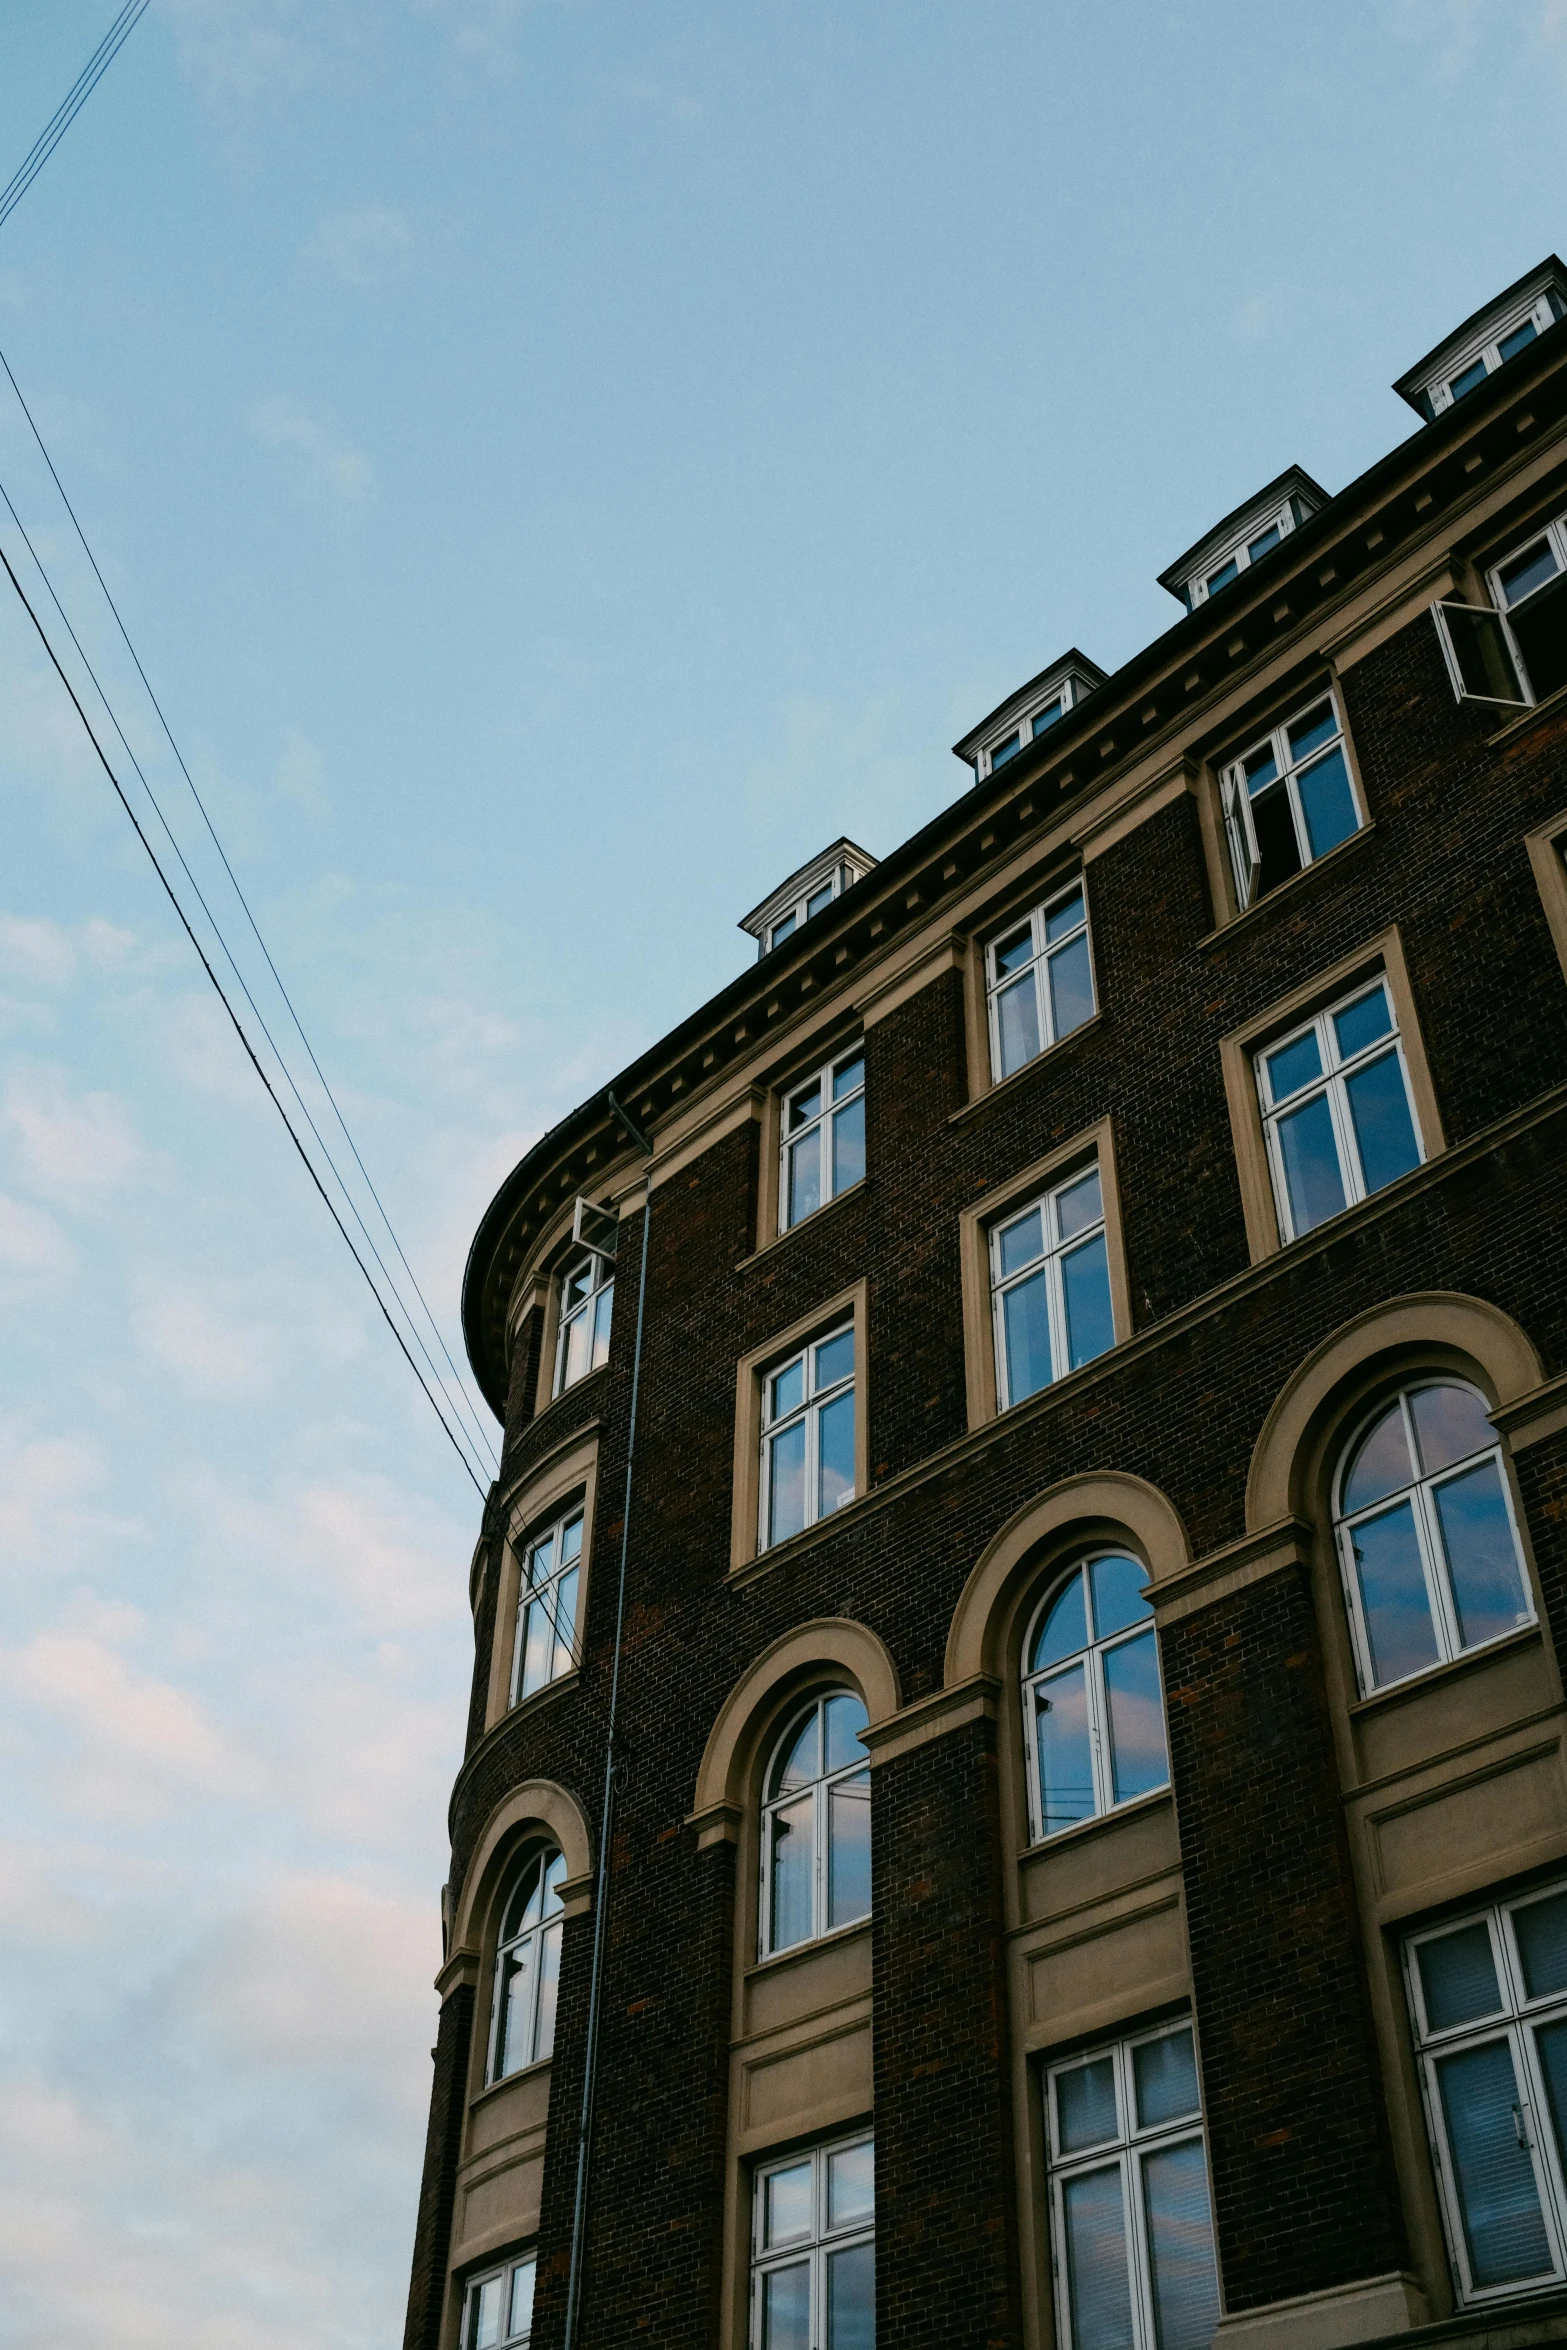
[[234, 1019], [70, 106]]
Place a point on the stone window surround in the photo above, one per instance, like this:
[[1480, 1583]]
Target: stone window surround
[[1547, 847], [1286, 698], [568, 1472], [849, 1305]]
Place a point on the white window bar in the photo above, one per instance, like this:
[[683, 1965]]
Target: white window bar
[[1039, 980], [498, 2307], [545, 1643], [1131, 2217], [1427, 1540], [587, 1299], [808, 1466], [1488, 2000], [813, 2250], [1093, 1702], [816, 1826], [1031, 726], [801, 912], [527, 1966], [1513, 651], [823, 1145], [1262, 541], [1337, 1110], [1514, 334], [1050, 1287], [1288, 799]]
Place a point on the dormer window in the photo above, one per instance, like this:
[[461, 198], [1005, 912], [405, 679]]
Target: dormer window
[[1243, 538], [806, 894], [1485, 342], [1022, 719]]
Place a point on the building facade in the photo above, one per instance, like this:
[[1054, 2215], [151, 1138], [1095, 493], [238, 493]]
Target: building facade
[[1088, 1863]]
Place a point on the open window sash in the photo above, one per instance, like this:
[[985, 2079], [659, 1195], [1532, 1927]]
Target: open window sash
[[1480, 663], [1241, 833], [595, 1228]]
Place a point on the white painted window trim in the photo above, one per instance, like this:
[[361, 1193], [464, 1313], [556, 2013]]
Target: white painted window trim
[[1332, 1083], [796, 916], [1055, 1250], [817, 2247], [1062, 698], [598, 1301], [1555, 532], [821, 1828], [507, 2272], [563, 1650], [1282, 519], [1433, 1562], [1044, 953], [1092, 1659], [1239, 828], [549, 1925], [1538, 313], [1515, 2021], [821, 1124], [809, 1409]]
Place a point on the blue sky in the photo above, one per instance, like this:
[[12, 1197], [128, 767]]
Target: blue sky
[[562, 463]]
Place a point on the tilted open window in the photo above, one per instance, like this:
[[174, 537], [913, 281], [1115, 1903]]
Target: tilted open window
[[1513, 651], [1288, 799]]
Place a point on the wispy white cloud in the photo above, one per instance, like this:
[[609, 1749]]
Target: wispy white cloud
[[236, 51], [370, 245], [660, 97], [484, 30], [69, 1144], [324, 463], [30, 1239]]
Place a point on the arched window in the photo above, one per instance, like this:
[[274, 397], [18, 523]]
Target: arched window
[[1093, 1706], [816, 1825], [1426, 1537], [527, 1966]]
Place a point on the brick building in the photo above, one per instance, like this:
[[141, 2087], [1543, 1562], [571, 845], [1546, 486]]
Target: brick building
[[1088, 1860]]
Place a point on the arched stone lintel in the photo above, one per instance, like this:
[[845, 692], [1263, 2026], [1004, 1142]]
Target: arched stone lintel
[[1442, 1323], [799, 1655], [537, 1803], [1104, 1503]]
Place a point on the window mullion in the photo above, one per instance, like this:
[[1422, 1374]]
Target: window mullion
[[1433, 1561], [1547, 2162], [1359, 1635], [1098, 1730], [1351, 1171]]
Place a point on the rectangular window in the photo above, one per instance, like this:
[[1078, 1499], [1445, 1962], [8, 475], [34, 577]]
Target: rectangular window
[[808, 1436], [587, 1299], [1529, 589], [813, 2250], [1288, 800], [545, 1645], [823, 1143], [1039, 980], [1129, 2207], [1336, 1110], [498, 2307], [1050, 1287], [1488, 2000]]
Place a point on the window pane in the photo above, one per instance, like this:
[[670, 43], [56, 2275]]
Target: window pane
[[788, 1390], [834, 1359], [526, 1903], [786, 2308], [554, 1878], [1025, 1314], [1066, 1777], [571, 1540], [1261, 546], [1066, 915], [603, 1313], [1079, 1205], [1002, 752], [786, 1487], [1551, 2048], [1384, 1129], [1521, 336], [1481, 1556], [1138, 1761], [1294, 1065], [847, 1076], [540, 1561], [819, 900], [849, 1850], [565, 1623], [1382, 1463], [1278, 849], [1527, 571], [1166, 2076], [1045, 717], [1450, 1424], [487, 2314], [1222, 577], [549, 1985], [1361, 1023], [1012, 952], [1541, 630], [537, 1648], [1180, 2247], [1085, 2105], [1458, 1978], [1085, 1280], [799, 1766], [1261, 768], [1065, 1628], [1019, 1244], [787, 2209], [1327, 803], [1393, 1594], [851, 2185], [1120, 1588], [1017, 1023], [1468, 380], [1097, 2281], [781, 929], [805, 1175], [1541, 1929], [1311, 1168], [793, 1860], [835, 1478], [574, 1359], [804, 1106], [851, 2298], [520, 2319], [848, 1145], [1309, 733], [1485, 661], [516, 2009], [846, 1718], [1071, 986], [1497, 2195]]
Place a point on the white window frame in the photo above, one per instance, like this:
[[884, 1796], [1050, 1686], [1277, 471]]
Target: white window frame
[[821, 1828], [1092, 1660], [506, 2274], [822, 1125], [1555, 531], [1199, 588], [810, 1408], [564, 1652], [550, 1922], [1044, 952], [789, 920], [1428, 1535], [1239, 827], [1539, 313], [599, 1299], [1055, 1249], [1332, 1083], [1028, 725], [1128, 2149], [817, 2246], [1515, 2021]]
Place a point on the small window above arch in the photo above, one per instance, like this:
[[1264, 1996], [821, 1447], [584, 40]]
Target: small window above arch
[[1093, 1702]]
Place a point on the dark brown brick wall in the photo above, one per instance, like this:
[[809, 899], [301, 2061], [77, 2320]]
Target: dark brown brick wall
[[442, 2147]]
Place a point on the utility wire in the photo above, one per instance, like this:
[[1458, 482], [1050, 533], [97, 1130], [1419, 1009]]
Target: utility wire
[[70, 106], [486, 1448], [234, 1019]]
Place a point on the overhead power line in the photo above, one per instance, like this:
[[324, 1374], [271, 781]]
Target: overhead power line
[[70, 107]]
